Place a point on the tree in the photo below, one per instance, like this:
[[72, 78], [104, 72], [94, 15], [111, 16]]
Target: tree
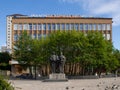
[[86, 53], [91, 50], [23, 50], [5, 57]]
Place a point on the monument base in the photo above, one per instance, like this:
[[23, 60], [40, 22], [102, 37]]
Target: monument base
[[56, 77]]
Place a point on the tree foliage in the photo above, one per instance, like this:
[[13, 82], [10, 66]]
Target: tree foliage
[[88, 50], [5, 57]]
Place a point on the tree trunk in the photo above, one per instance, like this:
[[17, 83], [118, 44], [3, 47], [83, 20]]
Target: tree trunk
[[30, 70], [35, 72]]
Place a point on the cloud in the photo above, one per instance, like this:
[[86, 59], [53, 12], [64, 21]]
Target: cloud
[[99, 7]]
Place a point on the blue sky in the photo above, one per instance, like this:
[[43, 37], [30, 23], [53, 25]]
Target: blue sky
[[96, 8]]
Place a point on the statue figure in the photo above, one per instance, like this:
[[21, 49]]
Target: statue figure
[[62, 62], [53, 60]]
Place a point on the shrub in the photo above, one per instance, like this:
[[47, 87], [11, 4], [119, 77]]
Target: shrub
[[4, 85]]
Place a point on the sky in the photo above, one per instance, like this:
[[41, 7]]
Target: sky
[[95, 8]]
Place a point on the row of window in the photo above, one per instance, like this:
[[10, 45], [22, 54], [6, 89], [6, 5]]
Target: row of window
[[63, 26], [34, 36], [38, 36]]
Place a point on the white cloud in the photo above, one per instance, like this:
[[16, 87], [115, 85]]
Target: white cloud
[[100, 7]]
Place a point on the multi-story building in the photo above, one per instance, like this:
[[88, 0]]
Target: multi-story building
[[4, 49], [40, 26]]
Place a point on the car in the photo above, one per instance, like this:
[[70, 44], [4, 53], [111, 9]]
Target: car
[[25, 76]]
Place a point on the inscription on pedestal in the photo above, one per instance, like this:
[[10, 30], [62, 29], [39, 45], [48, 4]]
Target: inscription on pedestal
[[56, 76]]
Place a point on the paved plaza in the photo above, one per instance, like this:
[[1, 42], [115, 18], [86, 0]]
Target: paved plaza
[[73, 84]]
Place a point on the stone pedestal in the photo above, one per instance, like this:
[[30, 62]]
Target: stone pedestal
[[56, 77]]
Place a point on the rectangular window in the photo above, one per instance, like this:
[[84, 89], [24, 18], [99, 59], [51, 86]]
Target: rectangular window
[[15, 37], [90, 27], [76, 26], [53, 26], [108, 26], [63, 26], [67, 26], [81, 26], [39, 26], [34, 36], [39, 36], [20, 26], [44, 26], [72, 26], [99, 26], [44, 36], [49, 26], [15, 26], [85, 26], [103, 26], [34, 26], [94, 27], [108, 36], [25, 26], [30, 26], [58, 26]]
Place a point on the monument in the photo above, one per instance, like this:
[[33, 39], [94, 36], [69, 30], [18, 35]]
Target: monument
[[57, 68]]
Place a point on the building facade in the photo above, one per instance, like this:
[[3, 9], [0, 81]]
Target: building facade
[[4, 49], [40, 26]]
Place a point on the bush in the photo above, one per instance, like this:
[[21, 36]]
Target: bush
[[4, 85]]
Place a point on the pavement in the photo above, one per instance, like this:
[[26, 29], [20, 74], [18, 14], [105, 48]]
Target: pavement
[[72, 84]]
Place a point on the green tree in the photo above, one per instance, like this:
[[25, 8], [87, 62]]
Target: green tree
[[91, 50], [23, 50], [5, 57]]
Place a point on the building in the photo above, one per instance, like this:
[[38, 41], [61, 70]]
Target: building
[[40, 26], [4, 49]]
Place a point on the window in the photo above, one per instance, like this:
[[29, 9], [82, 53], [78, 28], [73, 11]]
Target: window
[[53, 26], [49, 26], [63, 26], [39, 36], [44, 26], [58, 26], [67, 26], [39, 26], [94, 27], [72, 26], [34, 36], [99, 26], [30, 26], [15, 37], [103, 26], [85, 26], [25, 26], [34, 26], [20, 26], [81, 26], [44, 36], [15, 26], [108, 36], [90, 27], [108, 26], [76, 26]]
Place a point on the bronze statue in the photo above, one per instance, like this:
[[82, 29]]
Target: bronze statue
[[57, 63], [62, 62], [53, 59]]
